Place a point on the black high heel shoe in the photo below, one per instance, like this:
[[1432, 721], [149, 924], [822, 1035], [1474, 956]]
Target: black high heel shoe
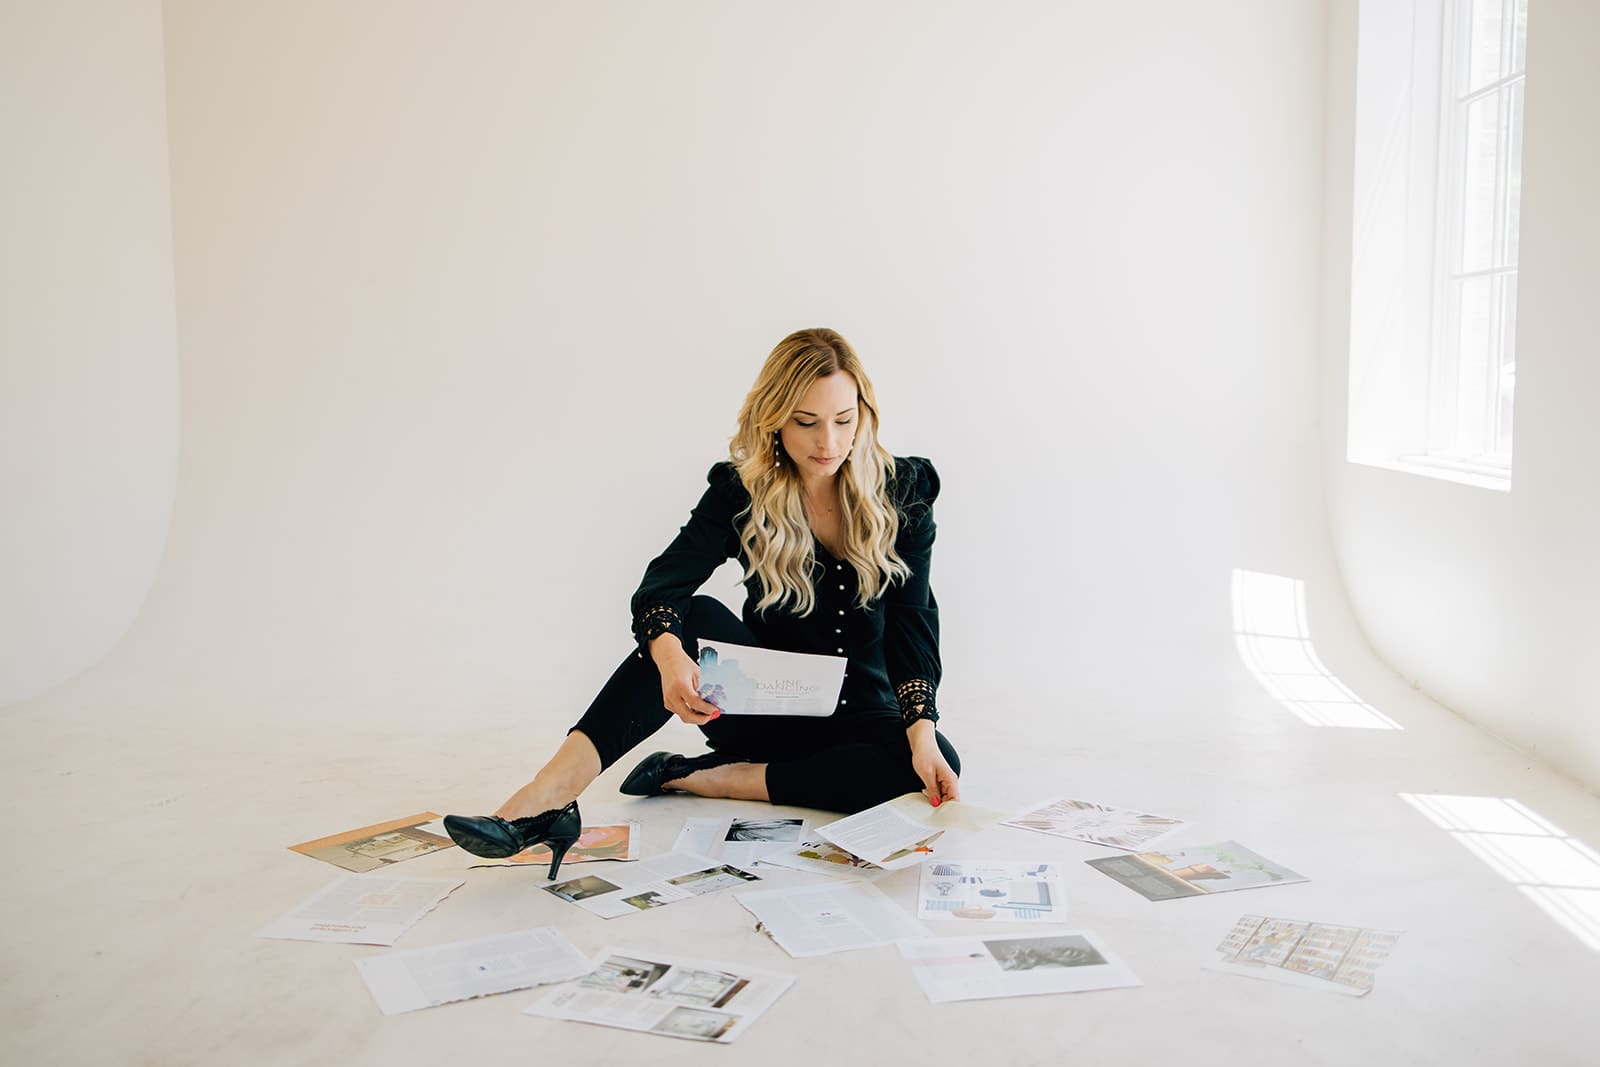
[[495, 838], [649, 778]]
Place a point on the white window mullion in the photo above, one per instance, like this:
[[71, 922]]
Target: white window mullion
[[1466, 97], [1442, 387], [1472, 336], [1488, 419], [1487, 272]]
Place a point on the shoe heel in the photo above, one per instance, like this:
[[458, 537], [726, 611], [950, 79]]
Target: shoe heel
[[558, 852], [562, 834]]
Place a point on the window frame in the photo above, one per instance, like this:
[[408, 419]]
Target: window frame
[[1404, 373]]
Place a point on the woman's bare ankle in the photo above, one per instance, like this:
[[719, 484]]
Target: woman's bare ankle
[[535, 798], [570, 771], [735, 781]]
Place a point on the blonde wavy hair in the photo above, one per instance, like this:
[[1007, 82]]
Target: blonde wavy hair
[[776, 537]]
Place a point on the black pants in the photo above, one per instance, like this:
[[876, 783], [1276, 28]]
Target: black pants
[[844, 762]]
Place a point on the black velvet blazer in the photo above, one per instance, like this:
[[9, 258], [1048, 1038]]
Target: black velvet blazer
[[892, 643]]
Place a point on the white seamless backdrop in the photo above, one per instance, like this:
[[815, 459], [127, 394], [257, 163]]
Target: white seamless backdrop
[[467, 301], [88, 339]]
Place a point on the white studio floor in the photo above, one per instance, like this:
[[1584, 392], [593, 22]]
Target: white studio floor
[[150, 844]]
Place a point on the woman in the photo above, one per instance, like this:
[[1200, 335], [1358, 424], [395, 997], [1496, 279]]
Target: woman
[[835, 536]]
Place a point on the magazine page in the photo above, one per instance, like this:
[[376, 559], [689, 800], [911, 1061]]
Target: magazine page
[[604, 841], [427, 977], [741, 842], [379, 845], [651, 883], [1195, 871], [1098, 824], [670, 995], [822, 856], [991, 890], [817, 920], [362, 909], [973, 968], [742, 680], [901, 832], [883, 836], [1342, 959]]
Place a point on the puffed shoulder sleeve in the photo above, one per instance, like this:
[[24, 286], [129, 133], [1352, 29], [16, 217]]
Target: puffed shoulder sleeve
[[911, 614], [707, 539]]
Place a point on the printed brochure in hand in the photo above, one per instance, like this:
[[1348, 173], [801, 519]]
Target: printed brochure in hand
[[742, 680]]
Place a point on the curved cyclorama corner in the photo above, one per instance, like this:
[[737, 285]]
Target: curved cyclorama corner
[[89, 392], [1485, 600]]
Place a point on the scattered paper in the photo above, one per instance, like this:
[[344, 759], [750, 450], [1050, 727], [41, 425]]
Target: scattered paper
[[362, 909], [742, 680], [972, 968], [1344, 959], [650, 883], [375, 846], [610, 841], [427, 977], [823, 856], [741, 842], [1008, 892], [668, 995], [1195, 871], [817, 920], [1099, 824], [901, 832]]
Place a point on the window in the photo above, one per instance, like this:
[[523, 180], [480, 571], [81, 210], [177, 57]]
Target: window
[[1474, 371], [1434, 283]]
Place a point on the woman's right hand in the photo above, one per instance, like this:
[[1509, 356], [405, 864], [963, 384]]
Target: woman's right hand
[[680, 682]]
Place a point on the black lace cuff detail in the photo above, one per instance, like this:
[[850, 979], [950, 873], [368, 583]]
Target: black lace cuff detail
[[657, 621], [916, 701]]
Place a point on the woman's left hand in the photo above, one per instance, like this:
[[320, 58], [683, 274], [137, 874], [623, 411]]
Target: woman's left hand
[[938, 780]]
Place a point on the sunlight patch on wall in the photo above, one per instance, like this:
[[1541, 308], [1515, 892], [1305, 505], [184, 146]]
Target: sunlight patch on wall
[[1269, 627], [1553, 869]]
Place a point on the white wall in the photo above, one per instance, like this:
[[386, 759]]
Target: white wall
[[88, 359], [1488, 601], [468, 299]]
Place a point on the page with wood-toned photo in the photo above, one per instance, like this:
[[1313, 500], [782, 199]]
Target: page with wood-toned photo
[[379, 845]]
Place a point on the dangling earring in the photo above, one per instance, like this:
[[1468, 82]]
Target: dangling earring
[[777, 449]]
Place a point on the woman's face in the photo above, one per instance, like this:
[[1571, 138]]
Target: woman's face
[[822, 427]]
